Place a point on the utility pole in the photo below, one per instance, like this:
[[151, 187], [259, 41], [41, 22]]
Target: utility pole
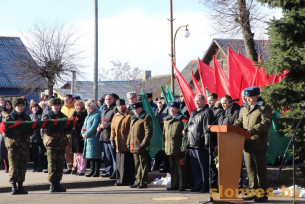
[[73, 83], [172, 44], [95, 80]]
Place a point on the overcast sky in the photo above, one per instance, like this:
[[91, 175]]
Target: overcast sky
[[134, 31]]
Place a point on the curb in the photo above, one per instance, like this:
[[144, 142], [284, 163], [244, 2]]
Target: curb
[[76, 184], [46, 186]]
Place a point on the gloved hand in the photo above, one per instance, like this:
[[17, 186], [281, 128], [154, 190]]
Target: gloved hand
[[112, 144], [128, 147], [142, 147]]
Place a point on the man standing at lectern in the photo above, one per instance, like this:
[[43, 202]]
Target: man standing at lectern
[[256, 118]]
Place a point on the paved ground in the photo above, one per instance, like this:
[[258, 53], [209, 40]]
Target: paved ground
[[98, 190]]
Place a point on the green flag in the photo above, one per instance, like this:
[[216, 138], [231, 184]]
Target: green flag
[[207, 91], [170, 94], [156, 139], [165, 94]]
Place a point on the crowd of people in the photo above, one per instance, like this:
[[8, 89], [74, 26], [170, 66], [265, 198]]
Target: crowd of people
[[118, 132]]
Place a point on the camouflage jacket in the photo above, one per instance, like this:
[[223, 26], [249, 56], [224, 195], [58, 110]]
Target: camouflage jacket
[[52, 137], [18, 136]]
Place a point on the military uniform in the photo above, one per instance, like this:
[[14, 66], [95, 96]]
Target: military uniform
[[18, 147], [55, 142], [138, 142], [257, 120], [172, 131]]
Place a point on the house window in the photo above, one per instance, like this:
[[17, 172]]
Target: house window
[[12, 98]]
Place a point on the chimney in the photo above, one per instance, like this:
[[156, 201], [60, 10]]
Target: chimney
[[146, 75]]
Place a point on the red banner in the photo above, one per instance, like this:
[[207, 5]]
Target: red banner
[[186, 91], [196, 85]]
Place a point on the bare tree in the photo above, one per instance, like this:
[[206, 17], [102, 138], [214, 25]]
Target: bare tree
[[54, 50], [123, 71], [235, 16]]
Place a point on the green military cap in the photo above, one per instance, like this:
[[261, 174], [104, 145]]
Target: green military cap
[[54, 101], [136, 104], [149, 94], [19, 101], [131, 95]]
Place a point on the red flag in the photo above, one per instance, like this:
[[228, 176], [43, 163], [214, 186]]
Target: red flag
[[221, 80], [281, 76], [196, 85], [241, 73], [186, 91], [260, 77], [206, 72]]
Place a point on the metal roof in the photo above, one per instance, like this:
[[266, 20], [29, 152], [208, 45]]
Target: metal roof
[[12, 50], [84, 89], [237, 45]]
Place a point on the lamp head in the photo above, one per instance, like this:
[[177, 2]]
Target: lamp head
[[187, 33]]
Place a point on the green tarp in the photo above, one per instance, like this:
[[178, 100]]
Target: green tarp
[[277, 144]]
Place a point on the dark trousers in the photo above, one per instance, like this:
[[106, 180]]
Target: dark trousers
[[257, 170], [177, 172], [199, 159], [214, 172], [141, 161], [243, 175], [37, 155], [188, 172], [125, 172], [159, 158], [95, 165], [109, 158]]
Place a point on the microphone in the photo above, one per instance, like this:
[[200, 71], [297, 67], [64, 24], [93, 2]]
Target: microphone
[[231, 101]]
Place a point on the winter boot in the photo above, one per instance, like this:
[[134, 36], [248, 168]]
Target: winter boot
[[92, 166], [52, 188], [14, 189], [57, 187], [97, 169], [20, 189]]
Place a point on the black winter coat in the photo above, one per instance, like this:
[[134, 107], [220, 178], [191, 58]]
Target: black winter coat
[[161, 114], [197, 126], [106, 118], [77, 141], [228, 117]]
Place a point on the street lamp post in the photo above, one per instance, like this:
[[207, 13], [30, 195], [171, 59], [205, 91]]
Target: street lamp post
[[187, 34], [95, 78], [173, 43]]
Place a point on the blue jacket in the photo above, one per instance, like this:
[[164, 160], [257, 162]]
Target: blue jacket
[[92, 147]]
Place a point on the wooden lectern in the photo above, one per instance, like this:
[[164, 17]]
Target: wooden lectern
[[230, 151]]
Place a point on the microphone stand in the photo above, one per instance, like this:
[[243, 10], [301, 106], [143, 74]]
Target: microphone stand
[[291, 142], [210, 159]]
